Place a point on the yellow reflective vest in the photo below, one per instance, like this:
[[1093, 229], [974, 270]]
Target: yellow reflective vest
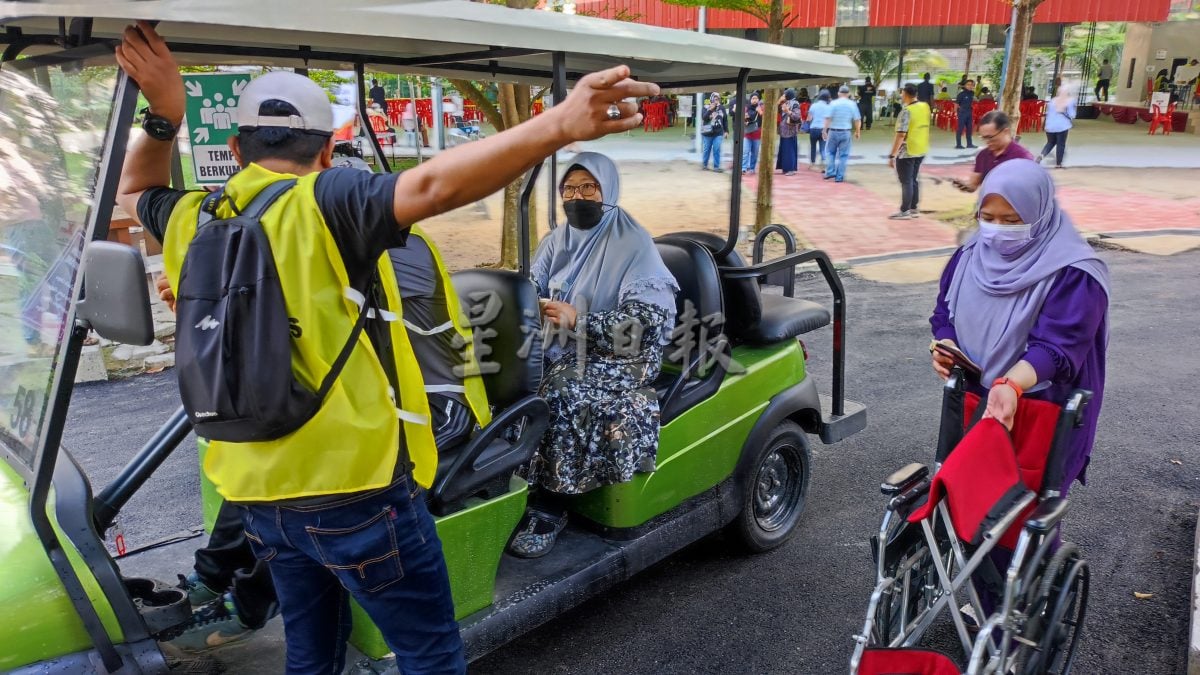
[[353, 441], [916, 141], [473, 387]]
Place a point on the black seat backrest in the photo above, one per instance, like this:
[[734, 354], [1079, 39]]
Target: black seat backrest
[[695, 271], [503, 310], [742, 304]]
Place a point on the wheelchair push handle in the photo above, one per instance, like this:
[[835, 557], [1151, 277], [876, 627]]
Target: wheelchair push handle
[[1070, 419]]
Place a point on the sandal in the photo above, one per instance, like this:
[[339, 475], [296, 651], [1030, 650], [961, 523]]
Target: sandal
[[537, 536]]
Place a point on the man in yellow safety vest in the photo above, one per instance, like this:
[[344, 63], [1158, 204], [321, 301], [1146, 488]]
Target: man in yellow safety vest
[[334, 506]]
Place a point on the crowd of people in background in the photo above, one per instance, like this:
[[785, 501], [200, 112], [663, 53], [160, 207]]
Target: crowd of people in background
[[834, 116]]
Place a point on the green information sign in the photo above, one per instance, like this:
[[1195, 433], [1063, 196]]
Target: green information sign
[[211, 119]]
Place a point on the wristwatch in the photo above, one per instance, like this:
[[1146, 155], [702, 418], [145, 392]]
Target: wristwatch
[[158, 127]]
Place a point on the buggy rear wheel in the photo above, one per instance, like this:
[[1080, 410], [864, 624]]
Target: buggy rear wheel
[[1064, 590], [774, 485]]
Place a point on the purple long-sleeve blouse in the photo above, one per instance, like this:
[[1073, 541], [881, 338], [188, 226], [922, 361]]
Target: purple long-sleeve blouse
[[1066, 347]]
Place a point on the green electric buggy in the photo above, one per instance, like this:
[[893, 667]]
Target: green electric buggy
[[737, 412]]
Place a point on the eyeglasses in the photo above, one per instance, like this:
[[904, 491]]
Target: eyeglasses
[[995, 135], [583, 190]]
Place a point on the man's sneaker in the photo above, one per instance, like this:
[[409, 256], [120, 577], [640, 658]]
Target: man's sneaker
[[914, 214], [900, 215], [213, 625], [198, 594]]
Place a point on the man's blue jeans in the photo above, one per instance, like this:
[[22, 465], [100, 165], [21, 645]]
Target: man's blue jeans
[[838, 150], [710, 146], [750, 154], [383, 550]]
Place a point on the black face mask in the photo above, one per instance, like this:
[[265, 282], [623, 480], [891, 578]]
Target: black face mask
[[583, 214]]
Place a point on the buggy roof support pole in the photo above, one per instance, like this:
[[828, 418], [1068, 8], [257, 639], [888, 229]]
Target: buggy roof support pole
[[523, 219], [558, 91], [361, 75], [104, 197], [739, 139]]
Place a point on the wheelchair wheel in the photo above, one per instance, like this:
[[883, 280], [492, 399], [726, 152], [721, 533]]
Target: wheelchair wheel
[[915, 577], [1063, 595], [774, 484]]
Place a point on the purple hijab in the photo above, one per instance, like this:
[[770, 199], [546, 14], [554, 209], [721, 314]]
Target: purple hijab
[[995, 300]]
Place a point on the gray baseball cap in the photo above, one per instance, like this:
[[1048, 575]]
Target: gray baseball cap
[[306, 96], [843, 89]]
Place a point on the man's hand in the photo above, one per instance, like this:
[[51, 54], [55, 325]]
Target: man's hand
[[583, 116], [562, 314], [163, 286], [891, 162], [146, 59]]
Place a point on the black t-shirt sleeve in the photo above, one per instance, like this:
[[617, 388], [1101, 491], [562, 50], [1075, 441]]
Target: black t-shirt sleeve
[[358, 207], [154, 209]]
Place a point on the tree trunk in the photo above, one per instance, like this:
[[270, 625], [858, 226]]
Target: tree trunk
[[515, 107], [1010, 101], [764, 205]]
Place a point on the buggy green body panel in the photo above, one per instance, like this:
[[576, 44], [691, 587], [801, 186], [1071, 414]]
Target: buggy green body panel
[[701, 447], [473, 539], [39, 622]]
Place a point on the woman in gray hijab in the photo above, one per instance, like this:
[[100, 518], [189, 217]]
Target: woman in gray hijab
[[609, 308]]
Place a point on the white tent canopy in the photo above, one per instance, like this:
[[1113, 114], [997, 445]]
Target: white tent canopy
[[449, 38]]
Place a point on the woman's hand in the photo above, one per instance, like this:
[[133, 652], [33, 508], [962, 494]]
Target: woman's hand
[[163, 286], [562, 314], [1002, 405], [942, 363]]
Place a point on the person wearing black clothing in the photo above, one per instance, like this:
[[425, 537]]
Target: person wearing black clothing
[[377, 94], [925, 90], [966, 109], [866, 103]]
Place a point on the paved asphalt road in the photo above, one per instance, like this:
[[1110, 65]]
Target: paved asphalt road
[[707, 610]]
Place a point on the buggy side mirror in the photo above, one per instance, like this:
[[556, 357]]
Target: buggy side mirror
[[116, 301]]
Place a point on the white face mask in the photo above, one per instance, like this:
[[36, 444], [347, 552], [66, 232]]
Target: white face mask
[[1005, 239]]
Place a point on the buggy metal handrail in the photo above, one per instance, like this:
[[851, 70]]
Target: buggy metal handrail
[[789, 247], [113, 497], [790, 261]]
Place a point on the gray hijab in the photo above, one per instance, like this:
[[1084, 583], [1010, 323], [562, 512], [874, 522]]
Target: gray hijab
[[994, 299], [614, 262]]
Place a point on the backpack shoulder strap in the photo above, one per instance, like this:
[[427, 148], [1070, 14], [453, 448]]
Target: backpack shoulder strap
[[266, 197], [208, 208]]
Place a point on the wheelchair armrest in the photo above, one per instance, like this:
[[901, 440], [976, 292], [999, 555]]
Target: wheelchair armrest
[[903, 479], [906, 499], [537, 414], [1046, 515]]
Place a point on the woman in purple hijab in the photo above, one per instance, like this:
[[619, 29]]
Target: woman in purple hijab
[[1026, 298]]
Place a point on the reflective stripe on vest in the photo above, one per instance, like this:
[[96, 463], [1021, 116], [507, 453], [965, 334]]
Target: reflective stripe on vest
[[473, 387], [352, 443]]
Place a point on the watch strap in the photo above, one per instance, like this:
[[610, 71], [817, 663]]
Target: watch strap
[[1001, 381]]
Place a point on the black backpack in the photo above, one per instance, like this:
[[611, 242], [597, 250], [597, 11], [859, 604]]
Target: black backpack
[[233, 335]]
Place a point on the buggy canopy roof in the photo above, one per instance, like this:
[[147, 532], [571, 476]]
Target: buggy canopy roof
[[448, 38]]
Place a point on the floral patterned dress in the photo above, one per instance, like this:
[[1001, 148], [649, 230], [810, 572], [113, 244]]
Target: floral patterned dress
[[603, 407]]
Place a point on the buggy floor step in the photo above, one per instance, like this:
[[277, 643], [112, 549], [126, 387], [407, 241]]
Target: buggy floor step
[[835, 428]]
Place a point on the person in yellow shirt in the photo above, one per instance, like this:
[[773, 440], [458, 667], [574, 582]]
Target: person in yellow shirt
[[335, 507], [908, 150]]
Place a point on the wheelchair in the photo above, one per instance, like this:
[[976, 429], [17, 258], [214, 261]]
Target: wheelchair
[[945, 534]]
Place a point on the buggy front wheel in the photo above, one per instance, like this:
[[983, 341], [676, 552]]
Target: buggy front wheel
[[774, 484]]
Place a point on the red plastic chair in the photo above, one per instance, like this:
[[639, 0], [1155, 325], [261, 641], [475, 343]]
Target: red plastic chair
[[1166, 120], [380, 126]]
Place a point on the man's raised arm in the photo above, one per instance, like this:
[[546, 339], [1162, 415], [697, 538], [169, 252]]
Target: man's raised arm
[[475, 170]]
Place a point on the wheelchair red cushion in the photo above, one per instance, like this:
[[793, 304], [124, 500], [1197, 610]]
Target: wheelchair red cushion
[[1032, 436], [978, 480], [906, 662]]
